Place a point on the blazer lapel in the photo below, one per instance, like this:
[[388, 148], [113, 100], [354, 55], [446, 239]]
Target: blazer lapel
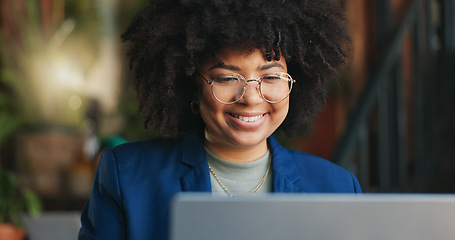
[[285, 177], [197, 179]]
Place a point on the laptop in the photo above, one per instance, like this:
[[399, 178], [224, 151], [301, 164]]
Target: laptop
[[314, 217], [53, 226]]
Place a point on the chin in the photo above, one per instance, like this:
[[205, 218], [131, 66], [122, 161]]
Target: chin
[[248, 140]]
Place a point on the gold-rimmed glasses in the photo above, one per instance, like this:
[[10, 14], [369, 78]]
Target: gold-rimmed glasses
[[228, 88]]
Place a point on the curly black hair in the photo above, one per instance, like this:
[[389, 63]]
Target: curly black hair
[[168, 37]]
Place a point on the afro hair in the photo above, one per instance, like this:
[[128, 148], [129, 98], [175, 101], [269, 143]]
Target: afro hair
[[167, 38]]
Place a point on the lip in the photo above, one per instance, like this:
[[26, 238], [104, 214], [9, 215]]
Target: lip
[[247, 120]]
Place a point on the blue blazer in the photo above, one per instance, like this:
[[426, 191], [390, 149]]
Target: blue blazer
[[135, 182]]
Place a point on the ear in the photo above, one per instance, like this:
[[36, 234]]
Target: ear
[[196, 87], [195, 108], [197, 90]]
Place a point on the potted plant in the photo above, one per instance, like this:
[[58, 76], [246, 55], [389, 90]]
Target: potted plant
[[15, 201]]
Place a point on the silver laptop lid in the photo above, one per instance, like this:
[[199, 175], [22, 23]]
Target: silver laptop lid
[[308, 216], [53, 226]]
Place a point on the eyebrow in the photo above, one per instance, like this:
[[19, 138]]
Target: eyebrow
[[235, 68], [271, 65], [224, 66]]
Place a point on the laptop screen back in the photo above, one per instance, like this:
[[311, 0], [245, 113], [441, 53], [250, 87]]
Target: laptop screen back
[[306, 216]]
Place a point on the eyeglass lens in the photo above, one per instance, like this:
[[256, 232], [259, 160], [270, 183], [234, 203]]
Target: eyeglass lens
[[230, 87]]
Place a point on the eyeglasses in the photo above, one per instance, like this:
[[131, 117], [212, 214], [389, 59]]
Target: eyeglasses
[[228, 88]]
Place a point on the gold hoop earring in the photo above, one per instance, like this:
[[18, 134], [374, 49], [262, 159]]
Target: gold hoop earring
[[195, 107]]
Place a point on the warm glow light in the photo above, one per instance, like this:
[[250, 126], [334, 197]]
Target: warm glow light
[[74, 102], [65, 74]]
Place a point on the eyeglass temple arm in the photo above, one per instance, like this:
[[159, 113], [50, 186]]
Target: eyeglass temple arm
[[208, 82]]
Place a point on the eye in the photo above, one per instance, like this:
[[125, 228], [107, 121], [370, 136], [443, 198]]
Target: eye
[[226, 78], [271, 78]]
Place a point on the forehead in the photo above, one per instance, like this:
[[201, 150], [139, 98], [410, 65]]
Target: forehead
[[238, 57], [228, 54]]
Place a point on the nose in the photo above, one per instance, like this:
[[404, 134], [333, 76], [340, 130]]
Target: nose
[[252, 94]]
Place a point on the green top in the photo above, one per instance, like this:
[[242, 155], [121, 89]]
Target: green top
[[239, 178]]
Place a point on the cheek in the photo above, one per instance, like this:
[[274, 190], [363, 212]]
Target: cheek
[[208, 105], [205, 98], [281, 109]]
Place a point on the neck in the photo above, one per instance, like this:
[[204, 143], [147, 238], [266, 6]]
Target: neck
[[237, 154]]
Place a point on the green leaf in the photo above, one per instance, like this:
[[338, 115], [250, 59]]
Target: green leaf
[[8, 78], [9, 125], [32, 203], [14, 200]]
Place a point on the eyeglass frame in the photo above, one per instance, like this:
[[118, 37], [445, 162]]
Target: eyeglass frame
[[258, 80]]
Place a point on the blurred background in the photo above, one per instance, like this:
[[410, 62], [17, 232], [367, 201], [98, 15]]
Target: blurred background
[[65, 96]]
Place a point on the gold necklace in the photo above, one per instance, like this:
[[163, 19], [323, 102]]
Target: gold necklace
[[252, 191]]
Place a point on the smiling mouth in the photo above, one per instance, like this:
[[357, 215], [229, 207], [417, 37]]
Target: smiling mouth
[[248, 119]]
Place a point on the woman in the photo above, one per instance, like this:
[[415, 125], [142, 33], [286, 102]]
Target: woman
[[217, 79]]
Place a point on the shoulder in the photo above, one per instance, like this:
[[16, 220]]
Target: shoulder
[[326, 174], [312, 173], [315, 165], [146, 148], [320, 174], [158, 146], [156, 153], [137, 157], [304, 162]]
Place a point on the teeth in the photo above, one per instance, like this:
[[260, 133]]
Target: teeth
[[249, 119]]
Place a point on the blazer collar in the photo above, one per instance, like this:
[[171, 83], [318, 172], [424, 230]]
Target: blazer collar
[[193, 155], [285, 176]]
